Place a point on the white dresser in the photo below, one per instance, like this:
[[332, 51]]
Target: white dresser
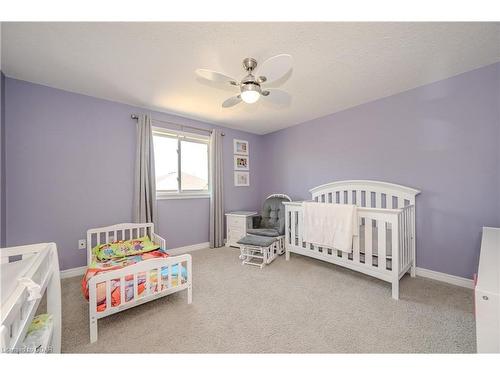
[[237, 223], [487, 293]]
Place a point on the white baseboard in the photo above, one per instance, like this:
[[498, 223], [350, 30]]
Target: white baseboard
[[79, 271], [446, 278], [72, 272], [186, 249]]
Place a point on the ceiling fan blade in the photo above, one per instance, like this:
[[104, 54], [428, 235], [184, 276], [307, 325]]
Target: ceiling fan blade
[[275, 67], [277, 97], [215, 76], [232, 101]]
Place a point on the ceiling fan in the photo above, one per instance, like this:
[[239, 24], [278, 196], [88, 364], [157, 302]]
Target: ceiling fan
[[251, 86]]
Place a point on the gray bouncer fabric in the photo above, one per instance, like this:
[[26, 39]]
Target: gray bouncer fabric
[[261, 241], [272, 218]]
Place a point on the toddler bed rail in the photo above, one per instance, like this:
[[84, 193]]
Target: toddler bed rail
[[385, 245], [125, 231], [134, 284]]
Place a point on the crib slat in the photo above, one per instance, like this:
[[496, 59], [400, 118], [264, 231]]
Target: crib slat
[[368, 241], [412, 231], [355, 242], [401, 242], [403, 234], [108, 294], [287, 226], [122, 290], [136, 287], [358, 198], [381, 245], [299, 227], [344, 255], [147, 282], [407, 236], [179, 274], [159, 280], [293, 227], [169, 275]]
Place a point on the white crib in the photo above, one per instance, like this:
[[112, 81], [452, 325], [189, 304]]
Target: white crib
[[385, 246], [148, 267]]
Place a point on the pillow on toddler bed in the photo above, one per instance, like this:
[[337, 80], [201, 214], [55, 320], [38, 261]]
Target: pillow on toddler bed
[[120, 249]]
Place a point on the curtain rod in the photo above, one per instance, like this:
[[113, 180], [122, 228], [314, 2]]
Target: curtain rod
[[136, 117]]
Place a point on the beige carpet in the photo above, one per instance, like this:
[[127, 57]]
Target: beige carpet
[[300, 306]]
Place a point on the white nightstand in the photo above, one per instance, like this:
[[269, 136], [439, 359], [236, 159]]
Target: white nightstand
[[237, 223]]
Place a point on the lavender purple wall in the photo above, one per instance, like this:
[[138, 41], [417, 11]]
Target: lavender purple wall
[[70, 165], [442, 138], [70, 168]]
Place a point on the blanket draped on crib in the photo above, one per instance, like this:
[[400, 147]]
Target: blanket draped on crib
[[330, 225]]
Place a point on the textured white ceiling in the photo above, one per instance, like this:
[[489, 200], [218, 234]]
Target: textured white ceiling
[[336, 65]]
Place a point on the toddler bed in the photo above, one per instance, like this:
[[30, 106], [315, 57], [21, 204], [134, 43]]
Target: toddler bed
[[384, 246], [128, 266]]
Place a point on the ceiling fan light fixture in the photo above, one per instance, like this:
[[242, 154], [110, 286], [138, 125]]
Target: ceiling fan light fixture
[[271, 70], [250, 93]]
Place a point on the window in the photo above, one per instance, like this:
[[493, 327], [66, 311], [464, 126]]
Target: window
[[181, 164]]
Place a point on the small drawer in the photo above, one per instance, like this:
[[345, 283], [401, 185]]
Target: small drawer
[[234, 221], [237, 228]]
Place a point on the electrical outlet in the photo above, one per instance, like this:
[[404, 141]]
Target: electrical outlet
[[82, 244]]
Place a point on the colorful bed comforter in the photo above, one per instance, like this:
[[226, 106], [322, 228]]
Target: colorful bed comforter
[[114, 264]]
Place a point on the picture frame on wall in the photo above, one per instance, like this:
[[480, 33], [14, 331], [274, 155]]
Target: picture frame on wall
[[241, 163], [241, 178], [240, 147]]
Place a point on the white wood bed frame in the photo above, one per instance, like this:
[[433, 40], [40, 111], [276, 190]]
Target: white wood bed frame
[[39, 276], [128, 231], [381, 205]]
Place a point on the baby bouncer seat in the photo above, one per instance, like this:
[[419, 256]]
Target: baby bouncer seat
[[266, 239]]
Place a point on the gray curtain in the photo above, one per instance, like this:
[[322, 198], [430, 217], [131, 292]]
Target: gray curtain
[[217, 193], [145, 180]]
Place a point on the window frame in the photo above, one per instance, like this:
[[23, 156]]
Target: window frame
[[189, 137]]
